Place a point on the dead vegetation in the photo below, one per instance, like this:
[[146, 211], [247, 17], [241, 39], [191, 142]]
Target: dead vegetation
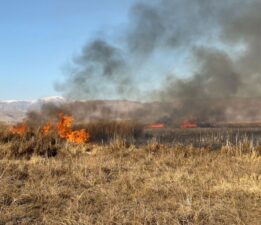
[[46, 180], [105, 131]]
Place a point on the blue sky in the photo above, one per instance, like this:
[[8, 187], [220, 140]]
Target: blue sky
[[38, 39]]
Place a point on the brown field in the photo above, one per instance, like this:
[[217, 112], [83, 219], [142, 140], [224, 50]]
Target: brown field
[[45, 180]]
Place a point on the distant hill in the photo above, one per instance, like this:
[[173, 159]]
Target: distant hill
[[13, 110], [84, 111], [236, 109]]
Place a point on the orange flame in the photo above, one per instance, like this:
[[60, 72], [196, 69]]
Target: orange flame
[[64, 128], [156, 126], [46, 128], [78, 136], [187, 124], [19, 129]]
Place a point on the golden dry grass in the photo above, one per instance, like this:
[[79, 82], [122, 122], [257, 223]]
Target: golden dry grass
[[119, 184]]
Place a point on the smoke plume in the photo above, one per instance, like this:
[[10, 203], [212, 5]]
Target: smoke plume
[[99, 67], [220, 38]]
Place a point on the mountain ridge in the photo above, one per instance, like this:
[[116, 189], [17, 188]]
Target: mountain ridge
[[12, 111]]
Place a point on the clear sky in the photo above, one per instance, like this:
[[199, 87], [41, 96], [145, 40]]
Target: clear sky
[[38, 38]]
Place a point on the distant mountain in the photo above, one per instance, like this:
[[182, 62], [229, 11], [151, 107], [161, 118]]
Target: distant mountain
[[15, 110], [235, 109], [12, 111]]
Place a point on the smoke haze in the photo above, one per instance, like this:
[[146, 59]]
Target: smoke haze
[[222, 39]]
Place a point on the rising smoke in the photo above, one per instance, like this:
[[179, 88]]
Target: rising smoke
[[100, 70], [222, 39]]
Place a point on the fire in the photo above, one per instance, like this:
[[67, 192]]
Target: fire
[[188, 124], [64, 128], [156, 126], [19, 129], [78, 136], [46, 128]]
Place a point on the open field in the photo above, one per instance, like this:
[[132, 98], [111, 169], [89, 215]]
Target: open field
[[45, 180], [150, 185]]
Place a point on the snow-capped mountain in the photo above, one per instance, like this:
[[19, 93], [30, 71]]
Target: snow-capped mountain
[[52, 99], [15, 110]]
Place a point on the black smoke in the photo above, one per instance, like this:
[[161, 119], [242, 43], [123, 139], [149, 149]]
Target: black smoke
[[101, 70], [222, 39]]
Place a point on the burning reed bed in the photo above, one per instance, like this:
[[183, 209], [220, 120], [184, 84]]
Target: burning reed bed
[[24, 140], [50, 139]]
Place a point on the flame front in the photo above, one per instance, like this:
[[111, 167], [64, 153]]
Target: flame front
[[78, 136], [187, 124], [64, 128], [19, 129], [156, 126], [46, 128]]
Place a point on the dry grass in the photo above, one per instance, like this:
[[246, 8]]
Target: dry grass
[[105, 131], [123, 184]]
